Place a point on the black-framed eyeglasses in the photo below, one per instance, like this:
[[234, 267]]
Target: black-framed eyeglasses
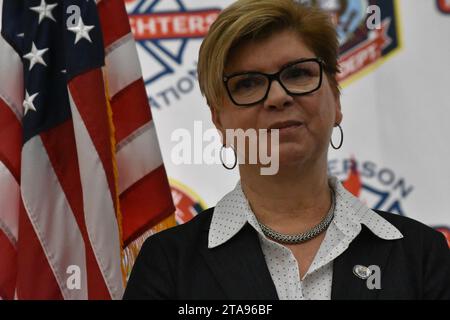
[[299, 77]]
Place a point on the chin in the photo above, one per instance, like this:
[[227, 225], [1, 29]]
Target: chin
[[291, 154]]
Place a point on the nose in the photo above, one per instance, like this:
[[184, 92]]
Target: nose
[[277, 97]]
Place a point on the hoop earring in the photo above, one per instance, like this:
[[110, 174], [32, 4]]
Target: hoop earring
[[342, 139], [221, 160]]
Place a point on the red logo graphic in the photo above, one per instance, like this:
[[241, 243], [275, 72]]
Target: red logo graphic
[[366, 53], [444, 6], [446, 233], [353, 183], [187, 203]]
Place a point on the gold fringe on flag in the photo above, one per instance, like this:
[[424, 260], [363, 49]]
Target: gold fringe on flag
[[112, 132]]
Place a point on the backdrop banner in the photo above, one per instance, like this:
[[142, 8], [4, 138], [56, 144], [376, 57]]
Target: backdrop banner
[[395, 100]]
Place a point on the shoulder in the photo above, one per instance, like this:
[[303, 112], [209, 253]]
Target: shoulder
[[415, 233], [408, 225], [197, 224], [425, 251], [191, 233]]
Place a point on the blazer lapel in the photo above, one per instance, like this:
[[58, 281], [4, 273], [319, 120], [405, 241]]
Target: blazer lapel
[[240, 268], [366, 250]]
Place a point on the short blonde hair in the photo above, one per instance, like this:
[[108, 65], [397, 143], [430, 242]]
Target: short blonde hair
[[248, 20]]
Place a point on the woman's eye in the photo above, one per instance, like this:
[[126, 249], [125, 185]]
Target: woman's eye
[[247, 83], [297, 73]]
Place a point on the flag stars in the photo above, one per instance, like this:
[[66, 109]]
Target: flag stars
[[44, 10], [28, 102], [81, 31], [35, 56]]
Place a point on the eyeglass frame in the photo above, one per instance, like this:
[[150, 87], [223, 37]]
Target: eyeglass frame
[[275, 76]]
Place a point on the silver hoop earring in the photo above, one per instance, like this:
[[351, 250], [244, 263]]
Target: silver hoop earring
[[342, 138], [221, 160]]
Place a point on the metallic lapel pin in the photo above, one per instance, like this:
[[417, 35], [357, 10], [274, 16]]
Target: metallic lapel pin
[[362, 272]]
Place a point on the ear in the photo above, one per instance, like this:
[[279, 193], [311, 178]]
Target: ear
[[215, 117]]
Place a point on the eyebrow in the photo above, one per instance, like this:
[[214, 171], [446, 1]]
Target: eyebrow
[[287, 64]]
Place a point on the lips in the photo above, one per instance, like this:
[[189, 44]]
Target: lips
[[285, 124]]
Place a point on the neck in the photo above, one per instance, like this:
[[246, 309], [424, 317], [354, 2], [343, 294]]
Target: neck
[[292, 201]]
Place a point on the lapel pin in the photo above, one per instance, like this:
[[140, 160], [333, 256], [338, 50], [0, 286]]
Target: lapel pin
[[362, 272]]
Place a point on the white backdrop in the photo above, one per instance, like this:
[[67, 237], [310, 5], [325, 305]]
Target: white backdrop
[[396, 106]]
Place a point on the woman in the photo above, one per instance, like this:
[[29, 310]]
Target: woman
[[298, 234]]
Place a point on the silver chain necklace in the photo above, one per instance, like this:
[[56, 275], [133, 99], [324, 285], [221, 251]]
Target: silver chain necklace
[[304, 236]]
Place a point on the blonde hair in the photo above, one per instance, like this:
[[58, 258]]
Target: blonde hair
[[248, 20]]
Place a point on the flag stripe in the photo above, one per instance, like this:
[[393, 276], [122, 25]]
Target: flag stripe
[[88, 94], [100, 217], [11, 78], [157, 204], [52, 218], [35, 278], [63, 157], [116, 27], [122, 64], [7, 268], [10, 200], [11, 140], [145, 143], [130, 109]]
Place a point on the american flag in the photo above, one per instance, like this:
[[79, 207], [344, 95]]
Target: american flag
[[81, 173]]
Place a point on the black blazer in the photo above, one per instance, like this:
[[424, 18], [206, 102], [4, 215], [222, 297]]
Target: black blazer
[[177, 264]]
